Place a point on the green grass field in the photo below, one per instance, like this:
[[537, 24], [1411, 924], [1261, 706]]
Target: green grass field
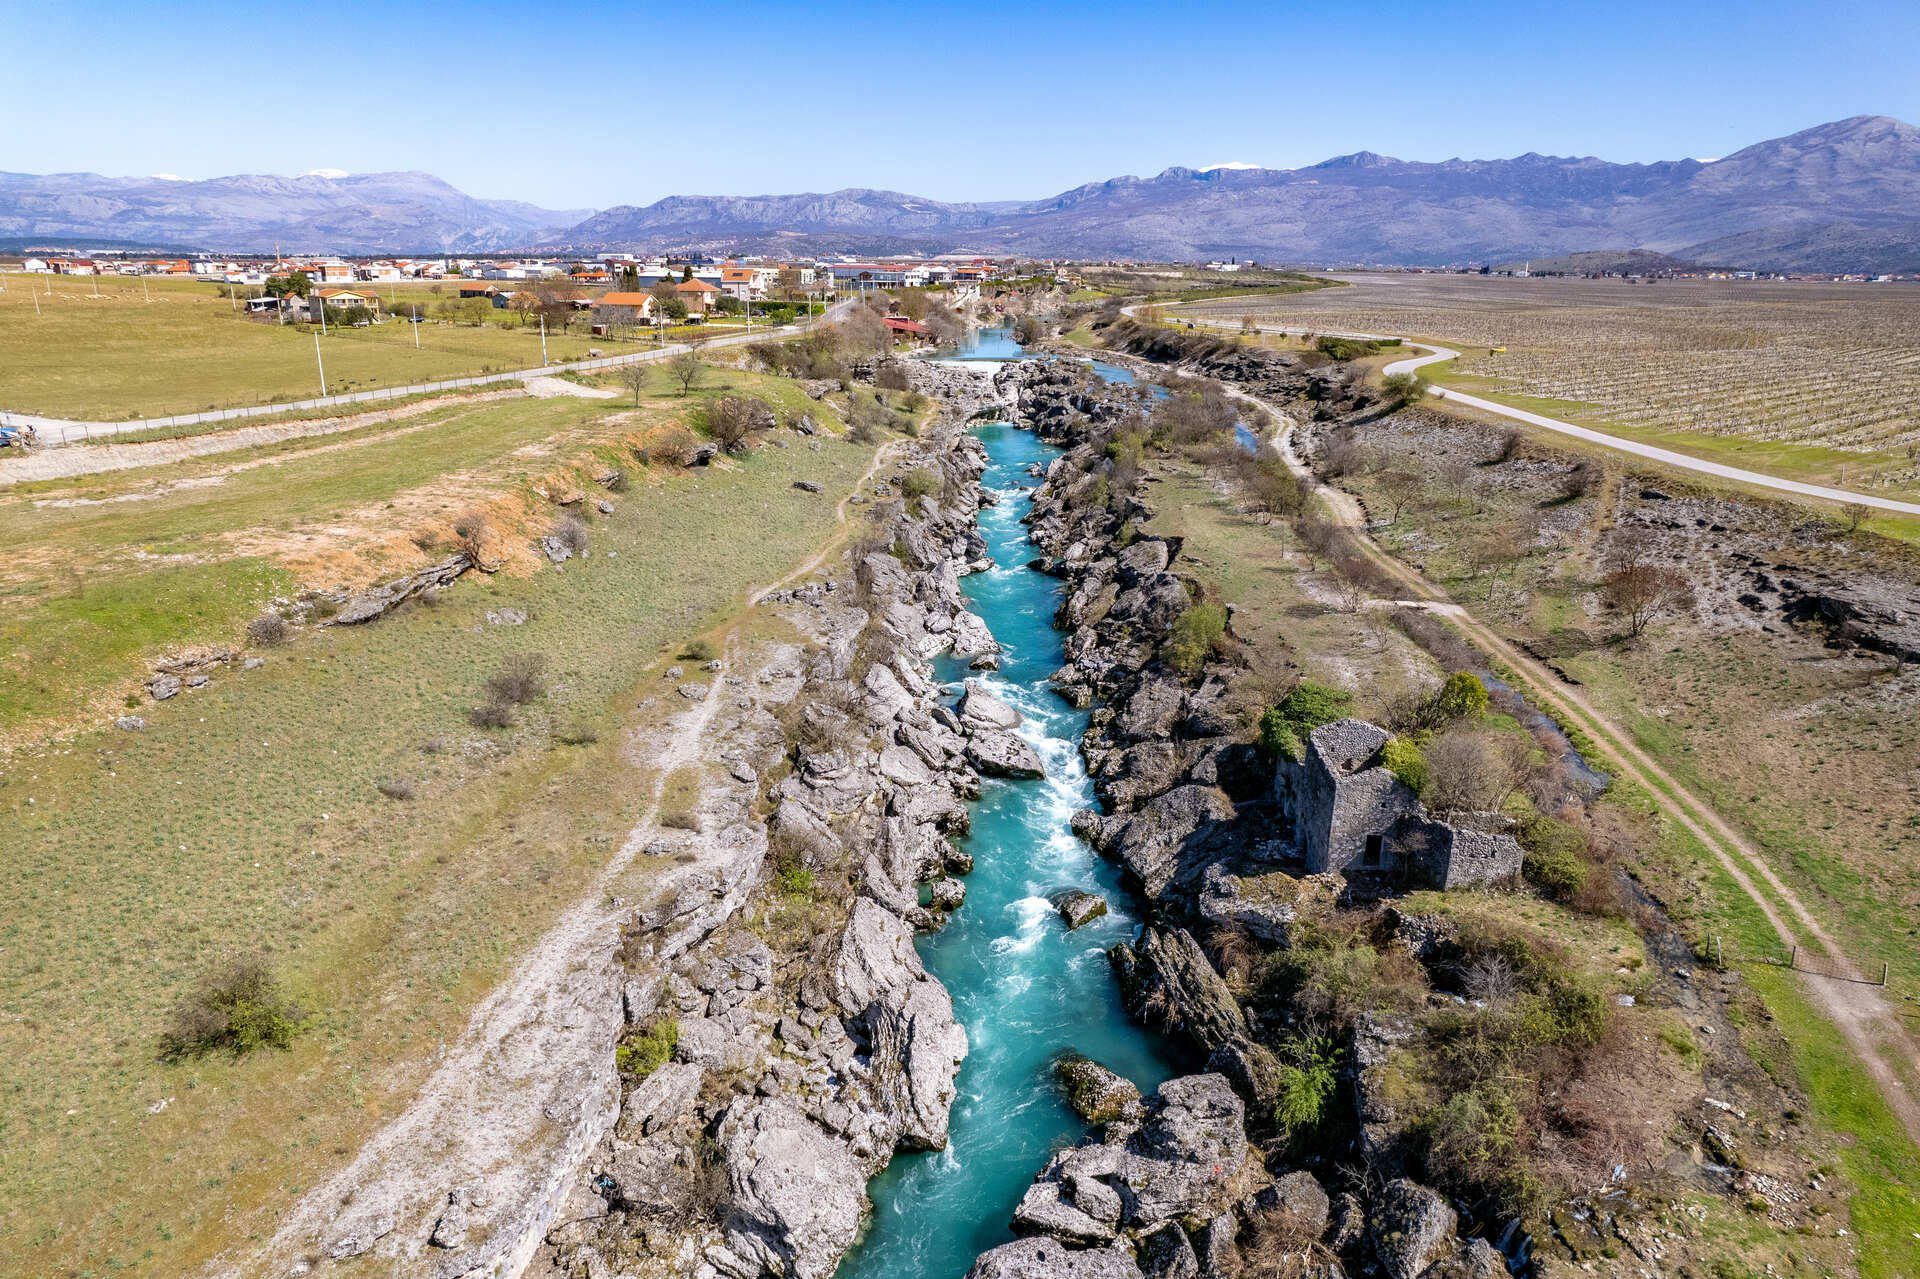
[[161, 347], [247, 816]]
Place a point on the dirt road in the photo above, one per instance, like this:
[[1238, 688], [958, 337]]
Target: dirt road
[[1870, 1025]]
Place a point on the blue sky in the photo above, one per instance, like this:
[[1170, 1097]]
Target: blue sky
[[569, 104]]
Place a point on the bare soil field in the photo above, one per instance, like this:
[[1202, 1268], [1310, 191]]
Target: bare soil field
[[1820, 378]]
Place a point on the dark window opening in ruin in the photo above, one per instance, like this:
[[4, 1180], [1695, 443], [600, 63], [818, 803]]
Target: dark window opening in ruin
[[1376, 848]]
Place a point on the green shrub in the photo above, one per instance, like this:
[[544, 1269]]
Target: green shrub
[[1404, 759], [1463, 696], [1284, 727], [1279, 735], [792, 877], [919, 483], [1196, 633], [241, 1009], [1305, 1089], [1555, 860], [699, 650], [647, 1049], [1346, 348], [1403, 389], [1474, 1147]]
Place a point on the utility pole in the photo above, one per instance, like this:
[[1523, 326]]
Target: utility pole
[[543, 341], [322, 363], [416, 329]]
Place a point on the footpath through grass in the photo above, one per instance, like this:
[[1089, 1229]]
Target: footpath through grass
[[249, 817]]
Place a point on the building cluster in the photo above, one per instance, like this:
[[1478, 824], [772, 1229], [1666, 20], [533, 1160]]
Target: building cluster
[[748, 279]]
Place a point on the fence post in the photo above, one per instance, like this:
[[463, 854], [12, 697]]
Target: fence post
[[1883, 972], [1793, 960]]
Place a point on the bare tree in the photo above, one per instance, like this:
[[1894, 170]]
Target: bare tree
[[863, 331], [685, 368], [634, 376], [1400, 488], [1855, 514], [1639, 588], [733, 418], [1468, 771]]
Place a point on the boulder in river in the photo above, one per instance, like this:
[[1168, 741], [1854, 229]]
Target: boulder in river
[[980, 711], [1000, 754], [1047, 1258], [1078, 908], [1097, 1095]]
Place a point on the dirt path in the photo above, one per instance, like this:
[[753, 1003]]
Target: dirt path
[[540, 1040], [1865, 1019], [60, 464], [880, 458]]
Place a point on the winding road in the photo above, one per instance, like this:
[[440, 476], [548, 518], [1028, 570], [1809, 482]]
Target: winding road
[[1860, 1011], [1666, 457]]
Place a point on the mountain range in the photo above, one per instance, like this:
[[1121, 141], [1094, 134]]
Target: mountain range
[[1838, 197], [331, 211]]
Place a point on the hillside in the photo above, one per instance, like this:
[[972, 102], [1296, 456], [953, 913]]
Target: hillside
[[353, 213]]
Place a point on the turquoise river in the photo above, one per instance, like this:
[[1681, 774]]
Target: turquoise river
[[1025, 988]]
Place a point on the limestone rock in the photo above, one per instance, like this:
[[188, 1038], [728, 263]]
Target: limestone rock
[[1000, 754], [1046, 1209], [1297, 1201], [1078, 908], [1180, 1163], [1214, 1246], [1167, 839], [971, 636], [1412, 1227], [914, 1043], [661, 1098], [1098, 1095], [1166, 1253], [981, 711], [1472, 1259], [1170, 966], [797, 1194], [1044, 1258]]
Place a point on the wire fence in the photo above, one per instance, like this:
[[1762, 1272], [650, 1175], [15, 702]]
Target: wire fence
[[1825, 966]]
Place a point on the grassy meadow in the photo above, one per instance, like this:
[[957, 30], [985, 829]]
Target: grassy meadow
[[154, 348], [332, 810]]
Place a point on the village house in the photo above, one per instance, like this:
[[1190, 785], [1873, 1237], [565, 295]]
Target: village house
[[901, 327], [477, 289], [349, 297], [610, 308], [1354, 818], [697, 294]]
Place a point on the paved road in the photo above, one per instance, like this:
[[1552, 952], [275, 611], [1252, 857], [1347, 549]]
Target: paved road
[[55, 431], [1666, 457]]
